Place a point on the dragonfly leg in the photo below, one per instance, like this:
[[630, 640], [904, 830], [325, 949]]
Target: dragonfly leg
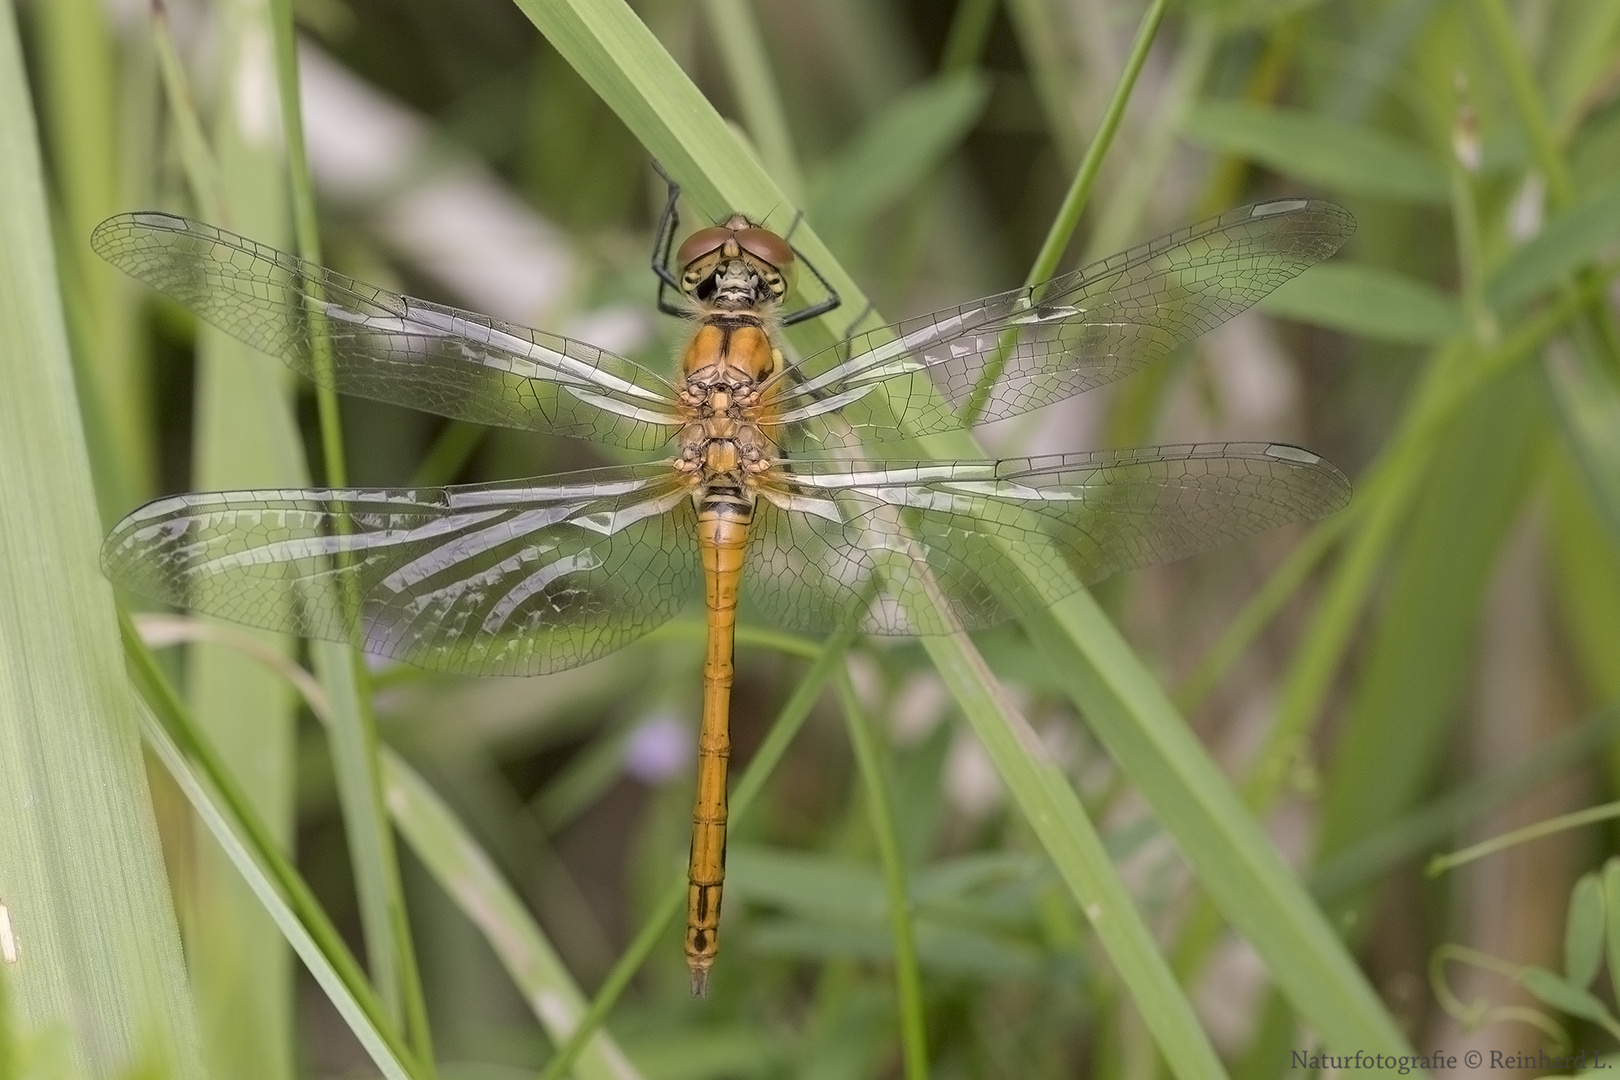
[[814, 310], [669, 222]]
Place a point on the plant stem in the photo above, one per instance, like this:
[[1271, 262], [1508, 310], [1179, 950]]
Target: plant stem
[[908, 980]]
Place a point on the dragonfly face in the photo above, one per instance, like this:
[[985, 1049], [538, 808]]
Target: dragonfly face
[[760, 497], [736, 265]]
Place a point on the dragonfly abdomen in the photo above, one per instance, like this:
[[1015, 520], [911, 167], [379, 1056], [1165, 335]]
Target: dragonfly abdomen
[[723, 518]]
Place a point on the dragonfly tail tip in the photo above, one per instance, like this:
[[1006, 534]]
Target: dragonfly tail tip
[[700, 981]]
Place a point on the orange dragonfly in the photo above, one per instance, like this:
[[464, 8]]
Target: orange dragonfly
[[760, 468]]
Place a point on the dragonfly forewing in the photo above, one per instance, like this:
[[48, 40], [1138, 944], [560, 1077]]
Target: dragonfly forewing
[[367, 341], [931, 547], [518, 578], [1024, 349]]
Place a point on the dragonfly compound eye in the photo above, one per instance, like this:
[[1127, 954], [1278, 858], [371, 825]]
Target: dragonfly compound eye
[[701, 243], [775, 253]]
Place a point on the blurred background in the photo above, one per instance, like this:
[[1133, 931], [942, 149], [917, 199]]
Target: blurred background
[[1436, 665]]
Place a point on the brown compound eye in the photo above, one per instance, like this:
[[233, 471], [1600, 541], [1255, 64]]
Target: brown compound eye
[[701, 243], [767, 246]]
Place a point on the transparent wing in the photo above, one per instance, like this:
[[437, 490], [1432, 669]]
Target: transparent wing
[[1020, 350], [920, 548], [516, 578], [389, 347]]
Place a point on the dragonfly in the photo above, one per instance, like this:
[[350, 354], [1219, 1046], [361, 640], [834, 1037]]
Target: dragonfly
[[762, 499]]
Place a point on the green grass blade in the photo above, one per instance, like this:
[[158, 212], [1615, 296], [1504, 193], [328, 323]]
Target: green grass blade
[[218, 823], [970, 27], [465, 872], [1053, 810], [1235, 861], [1079, 193], [908, 982], [1570, 240], [81, 114], [1432, 824], [196, 155], [356, 747], [1592, 815], [1368, 301], [243, 436], [182, 728], [753, 84], [1586, 405], [1415, 673], [99, 960], [445, 847], [1510, 58], [1586, 578], [1320, 150], [897, 149], [769, 755]]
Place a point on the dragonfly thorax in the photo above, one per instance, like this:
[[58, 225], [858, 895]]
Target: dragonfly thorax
[[729, 351]]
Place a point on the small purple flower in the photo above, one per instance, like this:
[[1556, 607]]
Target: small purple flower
[[658, 748]]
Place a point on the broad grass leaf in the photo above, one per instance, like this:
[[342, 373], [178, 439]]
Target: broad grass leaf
[[1566, 243], [1422, 644], [1320, 150], [944, 949], [897, 149], [1552, 989], [1368, 301], [807, 883]]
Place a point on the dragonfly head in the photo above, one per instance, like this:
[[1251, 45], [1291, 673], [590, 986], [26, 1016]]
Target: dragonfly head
[[736, 264]]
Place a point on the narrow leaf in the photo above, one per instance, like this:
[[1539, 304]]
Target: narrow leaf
[[1566, 243], [216, 819], [1053, 811], [898, 148], [1319, 150], [1611, 918], [1587, 406], [465, 872], [95, 952], [1562, 995], [1366, 300], [1583, 931]]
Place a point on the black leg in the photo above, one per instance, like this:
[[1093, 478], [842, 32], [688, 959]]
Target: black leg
[[814, 310], [663, 242], [798, 216]]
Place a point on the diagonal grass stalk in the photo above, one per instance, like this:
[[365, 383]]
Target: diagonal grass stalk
[[342, 668], [182, 730], [1075, 199], [443, 844]]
